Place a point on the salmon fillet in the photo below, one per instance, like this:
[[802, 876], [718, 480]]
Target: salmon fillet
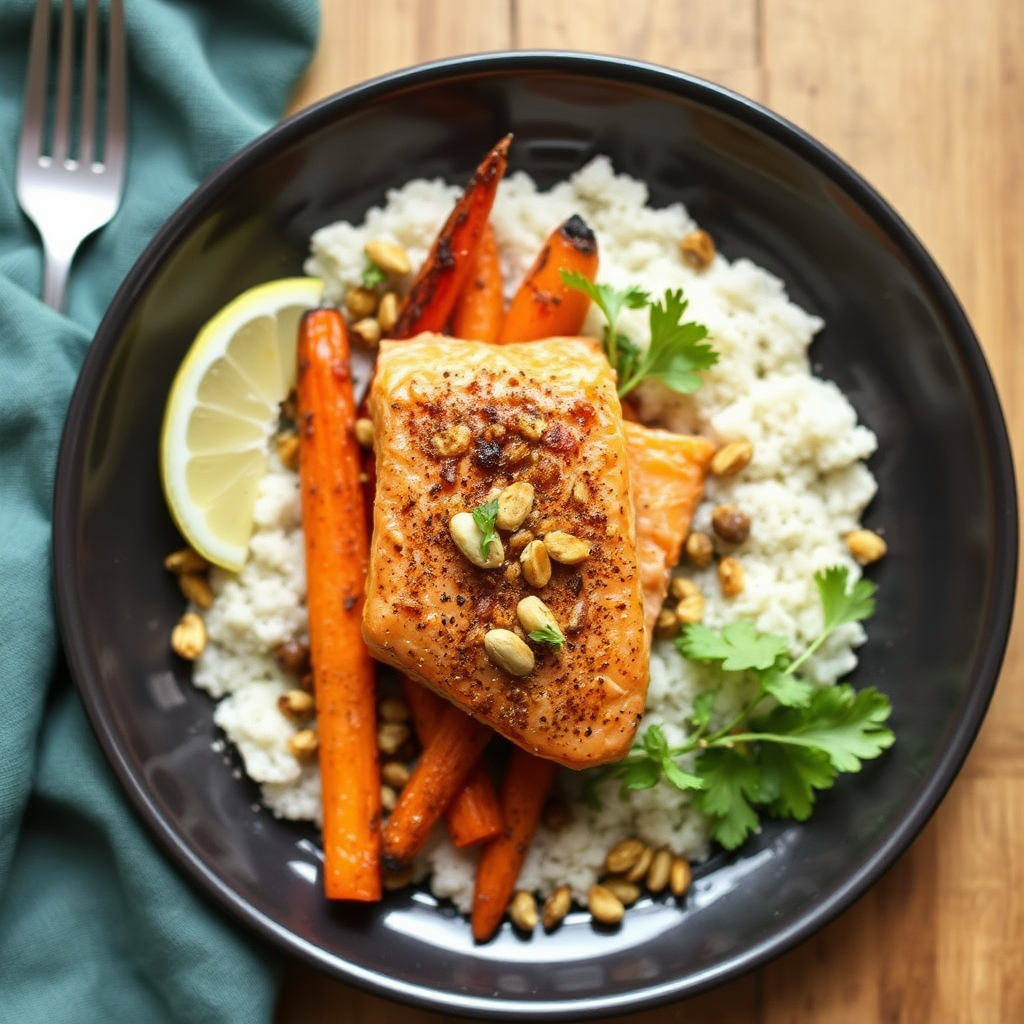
[[667, 474], [454, 423]]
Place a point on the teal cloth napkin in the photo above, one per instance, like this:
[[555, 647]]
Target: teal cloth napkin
[[95, 924]]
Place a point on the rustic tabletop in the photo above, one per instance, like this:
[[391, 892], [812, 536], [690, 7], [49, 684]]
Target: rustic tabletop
[[926, 99]]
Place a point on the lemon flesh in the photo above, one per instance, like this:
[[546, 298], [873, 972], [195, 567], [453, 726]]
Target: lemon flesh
[[222, 411]]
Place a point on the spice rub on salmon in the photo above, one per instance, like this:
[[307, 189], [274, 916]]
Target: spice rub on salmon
[[503, 566]]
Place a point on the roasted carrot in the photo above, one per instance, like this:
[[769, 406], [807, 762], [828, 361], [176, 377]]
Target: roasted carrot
[[480, 304], [544, 306], [439, 775], [431, 299], [474, 815], [337, 550], [523, 792]]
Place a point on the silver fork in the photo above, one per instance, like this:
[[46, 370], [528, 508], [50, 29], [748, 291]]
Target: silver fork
[[69, 192]]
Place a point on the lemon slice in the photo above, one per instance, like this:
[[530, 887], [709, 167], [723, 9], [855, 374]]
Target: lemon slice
[[222, 410]]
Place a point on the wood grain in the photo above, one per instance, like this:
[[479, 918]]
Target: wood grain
[[926, 99]]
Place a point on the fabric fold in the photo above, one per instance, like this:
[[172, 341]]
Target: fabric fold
[[96, 924]]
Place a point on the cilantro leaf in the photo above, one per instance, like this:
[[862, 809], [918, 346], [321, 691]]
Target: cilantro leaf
[[611, 301], [847, 725], [679, 778], [787, 689], [841, 605], [654, 742], [675, 352], [739, 646], [372, 274], [794, 773], [547, 634], [656, 746], [641, 774], [732, 784], [485, 516], [790, 740], [703, 705]]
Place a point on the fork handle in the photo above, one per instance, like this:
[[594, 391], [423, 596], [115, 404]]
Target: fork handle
[[55, 278]]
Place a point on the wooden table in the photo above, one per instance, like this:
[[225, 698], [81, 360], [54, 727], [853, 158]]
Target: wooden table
[[926, 99]]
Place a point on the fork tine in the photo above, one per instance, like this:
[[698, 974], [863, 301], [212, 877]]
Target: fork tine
[[71, 193], [62, 119], [87, 124], [31, 143], [117, 90]]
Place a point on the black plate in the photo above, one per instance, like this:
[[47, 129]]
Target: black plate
[[896, 341]]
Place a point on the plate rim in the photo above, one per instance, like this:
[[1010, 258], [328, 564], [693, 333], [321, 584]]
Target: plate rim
[[677, 84]]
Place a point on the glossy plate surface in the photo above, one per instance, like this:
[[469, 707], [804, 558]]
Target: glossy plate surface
[[895, 340]]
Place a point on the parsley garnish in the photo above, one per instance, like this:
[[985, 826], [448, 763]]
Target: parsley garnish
[[485, 516], [372, 274], [549, 634], [790, 740], [675, 352]]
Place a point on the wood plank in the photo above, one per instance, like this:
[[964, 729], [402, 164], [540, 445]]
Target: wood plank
[[361, 41], [712, 39], [700, 34]]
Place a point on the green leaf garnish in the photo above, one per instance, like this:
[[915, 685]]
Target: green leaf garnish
[[738, 646], [839, 605], [372, 274], [675, 352], [788, 689], [485, 516], [732, 785], [791, 739], [549, 634], [703, 706], [611, 301]]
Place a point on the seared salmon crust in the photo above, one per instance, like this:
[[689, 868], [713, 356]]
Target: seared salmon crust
[[455, 422]]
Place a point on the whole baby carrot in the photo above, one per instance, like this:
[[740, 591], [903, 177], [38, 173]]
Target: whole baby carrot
[[523, 792], [337, 550], [479, 307], [431, 299], [544, 306], [439, 775], [474, 815]]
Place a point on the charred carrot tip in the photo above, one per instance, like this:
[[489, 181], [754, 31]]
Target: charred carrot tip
[[577, 233], [544, 305], [432, 297]]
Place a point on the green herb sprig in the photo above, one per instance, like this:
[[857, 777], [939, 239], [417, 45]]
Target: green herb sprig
[[485, 516], [372, 274], [676, 351], [790, 740], [548, 634]]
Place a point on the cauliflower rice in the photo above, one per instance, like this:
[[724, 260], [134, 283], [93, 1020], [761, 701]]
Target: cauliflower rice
[[806, 487]]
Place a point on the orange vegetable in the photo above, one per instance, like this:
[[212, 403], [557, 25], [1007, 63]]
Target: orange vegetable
[[480, 305], [544, 306], [439, 775], [474, 815], [431, 299], [337, 551], [523, 792], [666, 475]]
